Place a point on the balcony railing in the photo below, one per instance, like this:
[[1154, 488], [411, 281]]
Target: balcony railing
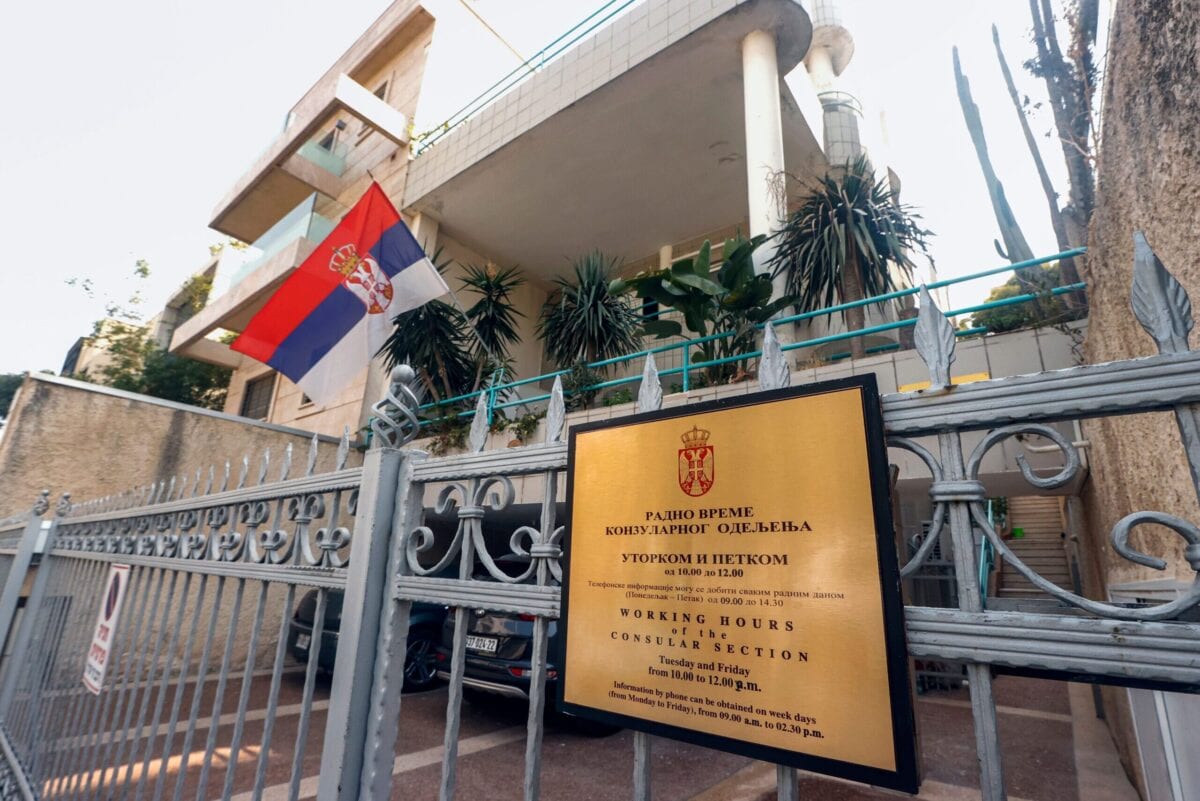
[[331, 159], [301, 222], [497, 391]]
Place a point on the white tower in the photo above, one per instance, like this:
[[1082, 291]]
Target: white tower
[[831, 50]]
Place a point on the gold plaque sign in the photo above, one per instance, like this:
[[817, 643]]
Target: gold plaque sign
[[731, 580]]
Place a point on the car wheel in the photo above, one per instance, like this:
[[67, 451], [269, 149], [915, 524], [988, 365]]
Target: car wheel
[[420, 663]]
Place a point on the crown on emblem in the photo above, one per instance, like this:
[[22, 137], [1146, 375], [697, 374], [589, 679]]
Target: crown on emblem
[[345, 260], [697, 436]]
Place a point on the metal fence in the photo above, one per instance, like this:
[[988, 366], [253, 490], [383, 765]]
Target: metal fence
[[211, 568]]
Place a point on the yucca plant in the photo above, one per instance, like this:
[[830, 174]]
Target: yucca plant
[[843, 242], [494, 315], [455, 353], [583, 320], [433, 340]]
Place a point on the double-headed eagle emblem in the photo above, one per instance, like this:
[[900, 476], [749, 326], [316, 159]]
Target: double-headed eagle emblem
[[363, 276], [697, 462]]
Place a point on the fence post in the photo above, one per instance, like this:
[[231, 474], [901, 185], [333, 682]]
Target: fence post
[[11, 594], [383, 724], [365, 606], [26, 630], [345, 727]]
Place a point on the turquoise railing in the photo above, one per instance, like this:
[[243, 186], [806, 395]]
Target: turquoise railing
[[496, 391], [987, 557], [537, 61]]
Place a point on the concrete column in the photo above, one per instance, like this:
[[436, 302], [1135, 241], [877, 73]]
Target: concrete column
[[664, 257], [764, 146], [425, 229]]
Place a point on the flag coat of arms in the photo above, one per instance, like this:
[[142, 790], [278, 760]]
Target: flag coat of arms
[[333, 314]]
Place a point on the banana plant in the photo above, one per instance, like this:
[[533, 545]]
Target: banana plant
[[732, 298]]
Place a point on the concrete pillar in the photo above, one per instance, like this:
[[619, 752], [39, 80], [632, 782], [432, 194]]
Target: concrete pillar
[[764, 140], [425, 229], [765, 179], [664, 257]]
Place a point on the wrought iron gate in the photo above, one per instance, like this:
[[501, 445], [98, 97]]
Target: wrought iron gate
[[216, 570]]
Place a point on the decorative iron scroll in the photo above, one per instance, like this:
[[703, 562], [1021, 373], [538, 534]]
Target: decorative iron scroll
[[301, 522], [1161, 305], [396, 422], [472, 498]]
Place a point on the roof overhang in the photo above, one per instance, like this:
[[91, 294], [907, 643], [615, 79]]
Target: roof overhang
[[653, 156], [282, 176]]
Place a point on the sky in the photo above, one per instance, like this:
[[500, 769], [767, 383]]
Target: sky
[[128, 122]]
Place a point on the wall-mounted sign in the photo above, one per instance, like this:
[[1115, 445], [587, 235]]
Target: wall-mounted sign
[[106, 626], [731, 580]]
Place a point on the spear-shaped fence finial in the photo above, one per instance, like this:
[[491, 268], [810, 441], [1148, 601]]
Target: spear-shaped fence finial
[[650, 394], [773, 369], [934, 340]]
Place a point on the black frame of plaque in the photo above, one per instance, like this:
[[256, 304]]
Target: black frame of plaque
[[906, 777]]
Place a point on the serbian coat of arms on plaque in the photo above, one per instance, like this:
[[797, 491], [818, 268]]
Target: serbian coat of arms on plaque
[[697, 462]]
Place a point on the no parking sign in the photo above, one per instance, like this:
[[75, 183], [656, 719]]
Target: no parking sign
[[106, 626]]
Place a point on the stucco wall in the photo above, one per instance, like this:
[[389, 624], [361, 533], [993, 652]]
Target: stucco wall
[[1148, 180], [69, 436]]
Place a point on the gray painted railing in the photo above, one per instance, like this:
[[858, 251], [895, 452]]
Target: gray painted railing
[[215, 568]]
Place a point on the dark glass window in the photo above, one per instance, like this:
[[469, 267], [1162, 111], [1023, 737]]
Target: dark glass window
[[256, 400]]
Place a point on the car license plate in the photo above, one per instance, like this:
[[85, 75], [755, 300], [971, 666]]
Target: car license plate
[[485, 645], [302, 641]]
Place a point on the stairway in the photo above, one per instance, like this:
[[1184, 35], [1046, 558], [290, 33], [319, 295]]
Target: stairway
[[1041, 548]]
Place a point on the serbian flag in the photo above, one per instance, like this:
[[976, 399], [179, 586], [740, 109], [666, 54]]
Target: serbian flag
[[333, 314]]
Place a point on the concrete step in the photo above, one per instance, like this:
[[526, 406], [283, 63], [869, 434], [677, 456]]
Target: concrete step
[[1041, 566], [1033, 501], [1009, 592], [1041, 563]]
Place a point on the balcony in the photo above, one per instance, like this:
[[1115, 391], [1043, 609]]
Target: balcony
[[245, 278], [307, 157], [329, 157], [302, 222]]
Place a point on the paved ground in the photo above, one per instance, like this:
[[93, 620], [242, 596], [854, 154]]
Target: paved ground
[[1037, 729]]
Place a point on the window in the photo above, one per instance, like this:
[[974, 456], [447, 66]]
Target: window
[[329, 140], [305, 400], [256, 399], [381, 92]]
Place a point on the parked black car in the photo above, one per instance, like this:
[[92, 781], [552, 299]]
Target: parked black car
[[420, 671], [499, 645], [499, 648]]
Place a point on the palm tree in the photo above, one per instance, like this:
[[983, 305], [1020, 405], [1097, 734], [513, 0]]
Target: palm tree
[[583, 321], [844, 241]]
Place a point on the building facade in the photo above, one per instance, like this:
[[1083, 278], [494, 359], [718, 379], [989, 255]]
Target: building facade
[[624, 142]]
